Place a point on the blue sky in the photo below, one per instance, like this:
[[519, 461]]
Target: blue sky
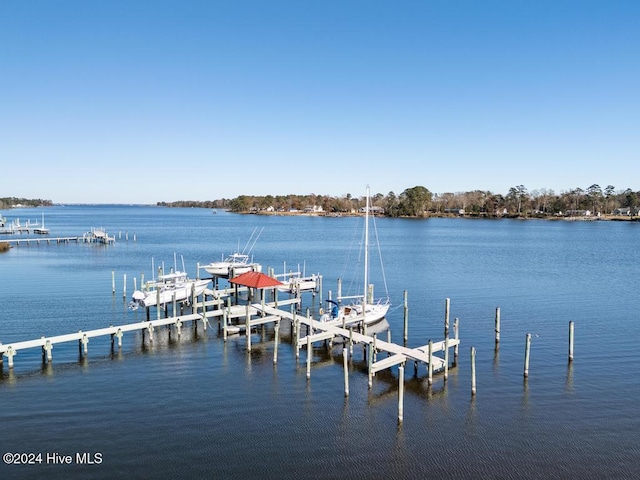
[[146, 101]]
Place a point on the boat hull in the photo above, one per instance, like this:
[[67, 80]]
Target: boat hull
[[224, 269], [353, 313], [180, 293]]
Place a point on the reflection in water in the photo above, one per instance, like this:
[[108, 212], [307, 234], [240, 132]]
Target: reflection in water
[[525, 395], [569, 381], [470, 421], [47, 369], [83, 361]]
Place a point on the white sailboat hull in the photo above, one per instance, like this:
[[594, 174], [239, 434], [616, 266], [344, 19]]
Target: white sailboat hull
[[374, 313]]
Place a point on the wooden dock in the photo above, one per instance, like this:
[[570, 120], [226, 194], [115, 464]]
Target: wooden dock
[[348, 332], [251, 315], [47, 343], [94, 236]]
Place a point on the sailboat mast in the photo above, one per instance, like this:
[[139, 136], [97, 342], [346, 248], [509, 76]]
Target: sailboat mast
[[366, 252]]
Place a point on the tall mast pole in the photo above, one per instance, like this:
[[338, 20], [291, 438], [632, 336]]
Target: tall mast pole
[[366, 253]]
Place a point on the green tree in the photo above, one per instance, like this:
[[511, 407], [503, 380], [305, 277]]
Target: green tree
[[594, 194], [518, 195], [609, 192], [631, 200], [414, 201], [392, 206], [240, 204]]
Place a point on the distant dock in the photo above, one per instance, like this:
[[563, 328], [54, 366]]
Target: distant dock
[[93, 236]]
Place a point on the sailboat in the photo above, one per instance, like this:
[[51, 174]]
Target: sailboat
[[374, 311]]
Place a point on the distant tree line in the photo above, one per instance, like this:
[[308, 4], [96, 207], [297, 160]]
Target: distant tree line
[[418, 201], [8, 202], [196, 204]]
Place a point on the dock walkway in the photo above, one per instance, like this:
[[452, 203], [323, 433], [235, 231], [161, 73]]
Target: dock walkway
[[96, 236], [46, 343], [398, 354]]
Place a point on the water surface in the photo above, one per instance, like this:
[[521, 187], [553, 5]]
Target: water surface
[[200, 407]]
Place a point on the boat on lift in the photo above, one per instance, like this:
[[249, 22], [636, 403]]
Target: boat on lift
[[237, 263], [168, 287]]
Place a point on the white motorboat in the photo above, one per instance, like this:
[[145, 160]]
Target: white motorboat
[[175, 285], [237, 263], [374, 311], [172, 286], [231, 266]]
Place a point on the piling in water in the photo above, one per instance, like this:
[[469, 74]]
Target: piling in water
[[526, 355], [473, 371], [571, 328]]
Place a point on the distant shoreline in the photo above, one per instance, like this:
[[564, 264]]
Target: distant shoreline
[[590, 218]]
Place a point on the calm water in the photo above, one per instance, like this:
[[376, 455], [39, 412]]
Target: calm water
[[199, 407]]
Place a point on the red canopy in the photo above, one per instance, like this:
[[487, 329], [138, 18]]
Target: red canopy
[[255, 280]]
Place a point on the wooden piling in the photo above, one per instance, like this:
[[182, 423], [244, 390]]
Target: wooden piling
[[571, 328], [430, 367], [447, 307], [374, 349], [406, 318], [351, 341], [473, 371], [85, 343], [369, 347], [113, 282], [526, 355], [150, 329], [124, 286], [248, 328], [174, 303], [158, 303], [275, 342], [446, 358], [297, 329], [224, 323], [309, 354], [456, 335], [10, 354], [46, 351], [497, 328]]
